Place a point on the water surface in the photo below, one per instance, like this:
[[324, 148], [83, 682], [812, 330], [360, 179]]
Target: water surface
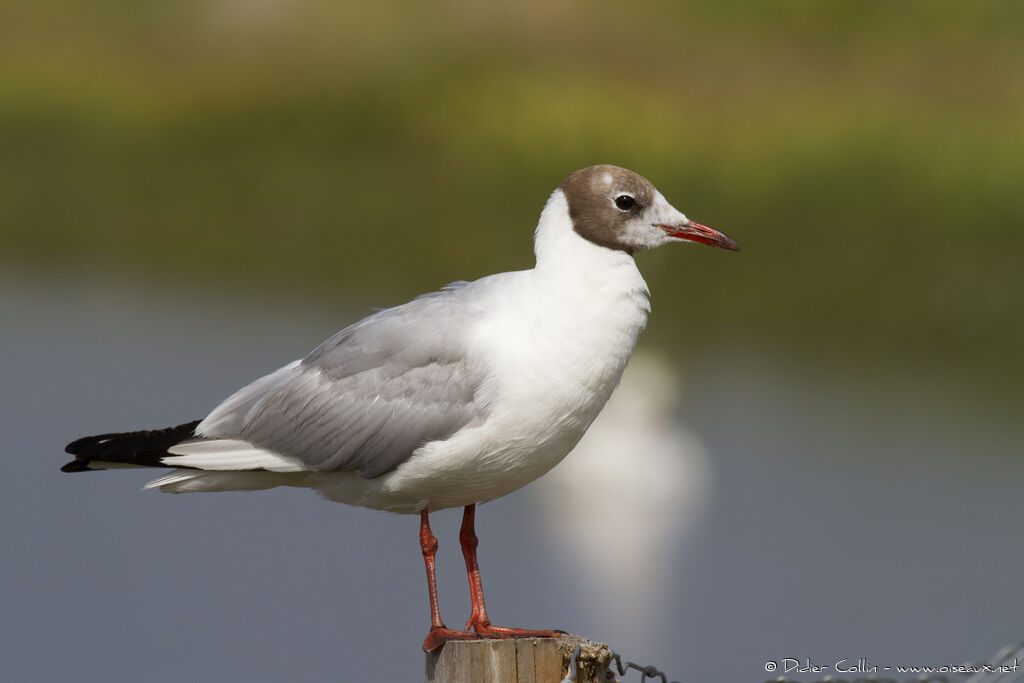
[[847, 512]]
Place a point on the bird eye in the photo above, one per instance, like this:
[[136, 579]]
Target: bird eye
[[625, 202]]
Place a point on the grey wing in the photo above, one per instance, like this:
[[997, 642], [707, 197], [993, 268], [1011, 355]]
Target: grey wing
[[369, 396]]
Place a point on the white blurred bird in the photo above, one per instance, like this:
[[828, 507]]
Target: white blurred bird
[[620, 528]]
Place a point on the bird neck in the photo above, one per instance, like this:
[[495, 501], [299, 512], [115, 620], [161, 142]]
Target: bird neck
[[581, 270], [559, 247]]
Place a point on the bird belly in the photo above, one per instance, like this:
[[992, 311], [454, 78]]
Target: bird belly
[[539, 412], [477, 466]]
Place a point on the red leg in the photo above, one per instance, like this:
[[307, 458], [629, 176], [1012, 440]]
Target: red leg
[[439, 633], [469, 542], [478, 620]]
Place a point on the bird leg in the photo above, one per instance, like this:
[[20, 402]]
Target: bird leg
[[478, 620], [439, 633]]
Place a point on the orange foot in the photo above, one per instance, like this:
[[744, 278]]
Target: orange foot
[[439, 635], [485, 629]]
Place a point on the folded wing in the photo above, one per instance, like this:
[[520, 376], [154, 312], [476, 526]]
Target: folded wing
[[363, 401]]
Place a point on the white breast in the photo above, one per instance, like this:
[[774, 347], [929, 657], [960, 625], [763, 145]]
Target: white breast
[[558, 338]]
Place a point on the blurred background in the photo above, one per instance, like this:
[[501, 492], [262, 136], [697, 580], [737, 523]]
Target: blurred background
[[195, 193]]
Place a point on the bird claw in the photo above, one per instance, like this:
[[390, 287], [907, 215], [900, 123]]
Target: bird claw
[[485, 629], [438, 636]]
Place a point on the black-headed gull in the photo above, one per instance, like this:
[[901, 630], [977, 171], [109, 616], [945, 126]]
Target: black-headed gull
[[455, 398]]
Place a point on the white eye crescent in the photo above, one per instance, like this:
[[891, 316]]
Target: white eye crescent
[[625, 202]]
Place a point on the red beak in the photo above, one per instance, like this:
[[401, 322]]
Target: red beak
[[696, 232]]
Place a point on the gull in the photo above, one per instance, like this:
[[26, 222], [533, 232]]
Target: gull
[[455, 398]]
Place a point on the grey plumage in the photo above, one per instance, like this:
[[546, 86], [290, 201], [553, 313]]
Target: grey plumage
[[366, 398]]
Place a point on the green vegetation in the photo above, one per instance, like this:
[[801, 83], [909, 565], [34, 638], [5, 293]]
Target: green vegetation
[[867, 156]]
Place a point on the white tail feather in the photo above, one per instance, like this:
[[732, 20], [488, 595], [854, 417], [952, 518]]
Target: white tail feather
[[192, 481], [169, 479], [229, 454]]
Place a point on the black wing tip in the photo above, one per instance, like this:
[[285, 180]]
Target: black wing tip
[[136, 448], [77, 465], [77, 446]]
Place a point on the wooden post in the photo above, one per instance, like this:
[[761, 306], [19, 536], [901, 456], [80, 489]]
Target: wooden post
[[519, 660]]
